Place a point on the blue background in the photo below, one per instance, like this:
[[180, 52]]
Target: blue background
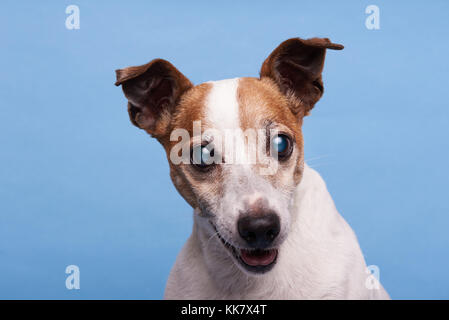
[[80, 185]]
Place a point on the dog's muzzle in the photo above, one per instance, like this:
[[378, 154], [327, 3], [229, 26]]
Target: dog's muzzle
[[259, 233]]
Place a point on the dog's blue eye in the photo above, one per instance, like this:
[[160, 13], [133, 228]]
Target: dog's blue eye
[[202, 156], [281, 146]]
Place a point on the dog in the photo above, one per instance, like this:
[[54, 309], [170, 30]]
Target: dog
[[256, 235]]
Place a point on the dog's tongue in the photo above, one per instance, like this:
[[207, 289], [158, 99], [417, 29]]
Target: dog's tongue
[[258, 257]]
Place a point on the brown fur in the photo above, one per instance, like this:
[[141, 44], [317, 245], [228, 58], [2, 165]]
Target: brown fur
[[153, 91], [260, 101], [296, 66], [190, 109]]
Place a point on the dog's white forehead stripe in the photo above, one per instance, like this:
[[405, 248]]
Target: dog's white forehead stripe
[[222, 107], [222, 113]]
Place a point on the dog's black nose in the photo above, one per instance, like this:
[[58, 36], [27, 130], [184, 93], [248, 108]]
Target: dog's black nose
[[259, 231]]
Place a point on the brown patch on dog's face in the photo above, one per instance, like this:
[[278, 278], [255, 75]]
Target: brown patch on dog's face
[[195, 185], [262, 105]]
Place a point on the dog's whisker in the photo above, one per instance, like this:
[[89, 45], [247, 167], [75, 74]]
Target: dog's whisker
[[317, 158], [211, 237], [318, 165]]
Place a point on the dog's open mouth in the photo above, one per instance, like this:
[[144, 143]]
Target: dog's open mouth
[[258, 257], [253, 260]]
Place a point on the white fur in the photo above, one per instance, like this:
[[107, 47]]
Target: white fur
[[320, 258], [222, 114], [222, 108]]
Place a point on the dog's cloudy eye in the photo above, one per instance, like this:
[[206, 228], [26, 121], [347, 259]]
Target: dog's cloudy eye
[[281, 145], [202, 156]]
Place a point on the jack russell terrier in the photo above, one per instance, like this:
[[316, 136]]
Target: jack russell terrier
[[265, 227]]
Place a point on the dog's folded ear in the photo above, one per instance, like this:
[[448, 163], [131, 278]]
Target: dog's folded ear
[[152, 90], [296, 66]]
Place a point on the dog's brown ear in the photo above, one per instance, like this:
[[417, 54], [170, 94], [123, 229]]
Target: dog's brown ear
[[153, 91], [296, 66]]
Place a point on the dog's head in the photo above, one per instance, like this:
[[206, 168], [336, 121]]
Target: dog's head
[[235, 147]]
